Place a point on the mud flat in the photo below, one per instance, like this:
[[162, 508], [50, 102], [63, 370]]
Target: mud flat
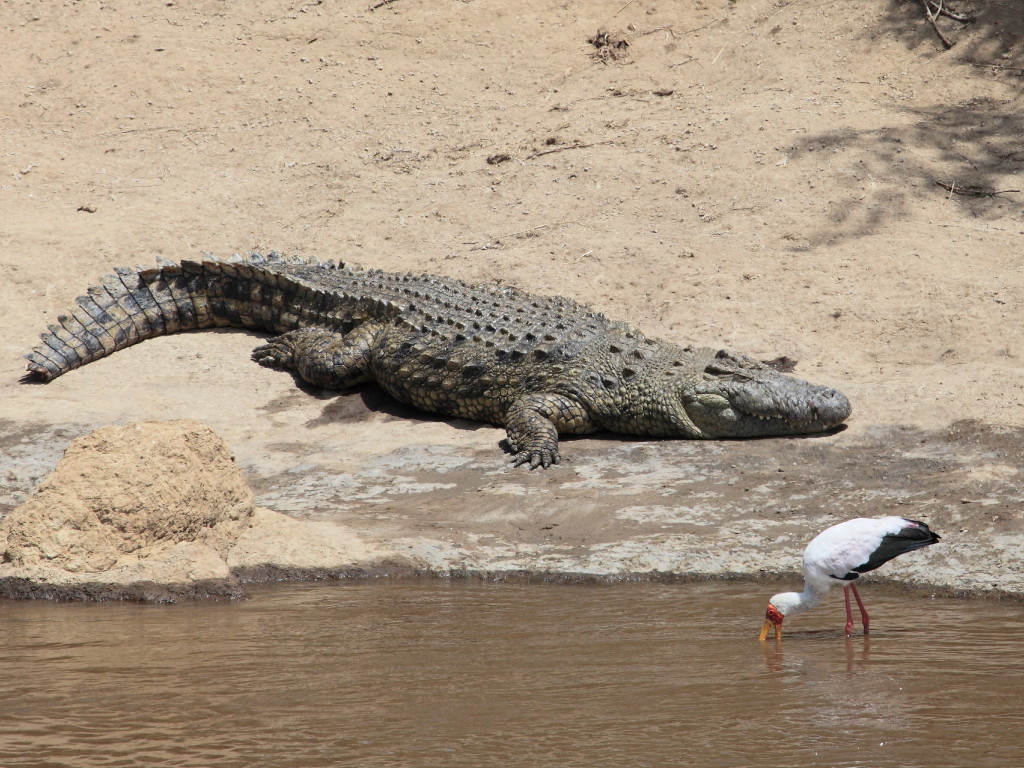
[[161, 510]]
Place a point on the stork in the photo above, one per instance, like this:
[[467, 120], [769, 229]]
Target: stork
[[842, 553]]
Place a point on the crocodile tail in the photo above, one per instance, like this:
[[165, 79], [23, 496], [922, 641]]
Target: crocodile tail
[[132, 305]]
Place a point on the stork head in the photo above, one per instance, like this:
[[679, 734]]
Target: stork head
[[778, 608]]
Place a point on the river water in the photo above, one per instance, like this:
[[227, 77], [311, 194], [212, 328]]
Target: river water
[[434, 673]]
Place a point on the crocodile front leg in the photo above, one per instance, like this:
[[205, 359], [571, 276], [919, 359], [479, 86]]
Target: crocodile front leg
[[533, 423], [321, 356]]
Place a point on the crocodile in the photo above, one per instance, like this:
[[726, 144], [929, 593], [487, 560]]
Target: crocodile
[[540, 366]]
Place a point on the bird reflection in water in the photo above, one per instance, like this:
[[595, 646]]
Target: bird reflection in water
[[858, 651]]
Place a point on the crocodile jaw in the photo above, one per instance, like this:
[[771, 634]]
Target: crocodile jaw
[[743, 398], [736, 414]]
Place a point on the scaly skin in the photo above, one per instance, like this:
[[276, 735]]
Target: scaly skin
[[539, 366]]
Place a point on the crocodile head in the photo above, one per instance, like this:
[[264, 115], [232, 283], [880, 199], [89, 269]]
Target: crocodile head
[[735, 396]]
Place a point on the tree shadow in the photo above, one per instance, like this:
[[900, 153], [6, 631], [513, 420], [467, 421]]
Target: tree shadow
[[994, 36], [971, 151], [962, 152]]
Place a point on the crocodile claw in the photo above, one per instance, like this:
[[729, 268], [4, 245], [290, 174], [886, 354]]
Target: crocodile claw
[[540, 457], [272, 355]]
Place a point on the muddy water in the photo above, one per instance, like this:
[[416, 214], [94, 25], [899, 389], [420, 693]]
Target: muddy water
[[466, 674]]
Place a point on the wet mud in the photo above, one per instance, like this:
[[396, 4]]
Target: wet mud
[[626, 509]]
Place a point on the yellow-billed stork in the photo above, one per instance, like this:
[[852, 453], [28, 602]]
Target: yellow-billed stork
[[842, 553]]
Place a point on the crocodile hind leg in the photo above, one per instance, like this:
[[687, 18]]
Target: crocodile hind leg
[[533, 423], [322, 357]]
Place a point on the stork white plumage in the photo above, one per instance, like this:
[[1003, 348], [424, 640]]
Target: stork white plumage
[[841, 554]]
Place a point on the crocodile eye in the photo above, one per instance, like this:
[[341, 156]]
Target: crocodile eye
[[728, 374]]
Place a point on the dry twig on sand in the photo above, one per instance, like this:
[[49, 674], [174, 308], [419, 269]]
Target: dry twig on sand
[[990, 64], [538, 153], [609, 46], [973, 190], [941, 10]]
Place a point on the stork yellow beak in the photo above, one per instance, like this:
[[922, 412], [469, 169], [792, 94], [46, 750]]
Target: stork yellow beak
[[772, 619]]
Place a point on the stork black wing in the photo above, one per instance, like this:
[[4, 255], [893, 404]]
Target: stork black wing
[[909, 538]]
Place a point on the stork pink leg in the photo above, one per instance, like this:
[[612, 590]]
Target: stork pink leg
[[864, 618], [849, 614]]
